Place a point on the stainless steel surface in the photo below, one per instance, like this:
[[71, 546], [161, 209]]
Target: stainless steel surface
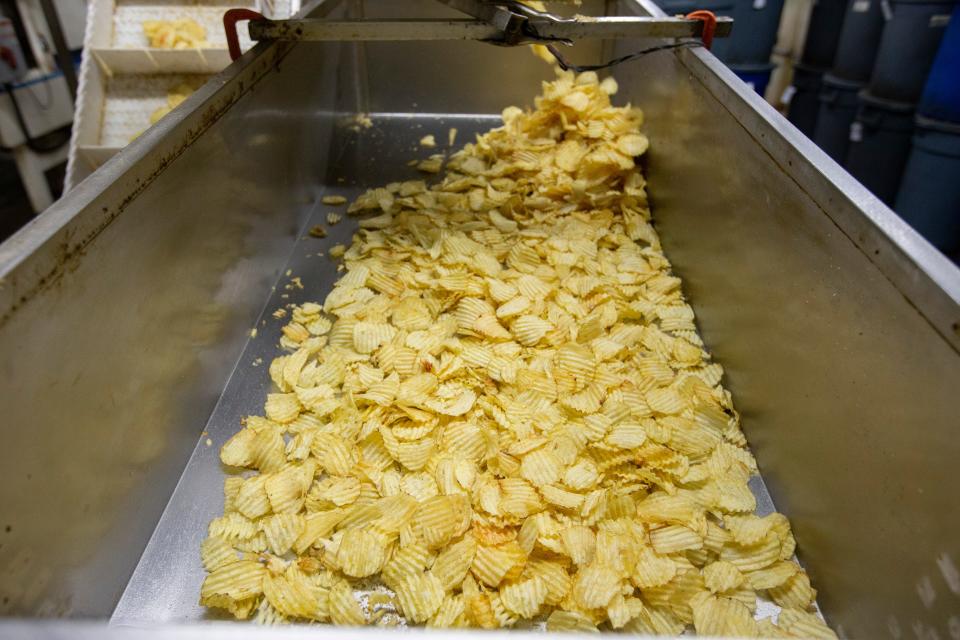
[[838, 325], [122, 310], [373, 30], [626, 27], [609, 28]]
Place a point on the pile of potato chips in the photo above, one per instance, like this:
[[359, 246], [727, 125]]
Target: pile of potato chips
[[502, 414], [182, 33]]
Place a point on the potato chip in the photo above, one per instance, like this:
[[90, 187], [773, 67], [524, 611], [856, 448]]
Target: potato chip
[[561, 498], [652, 569], [316, 526], [722, 576], [519, 498], [718, 616], [282, 407], [361, 553], [541, 467], [217, 552], [554, 577], [795, 592], [492, 564], [673, 538], [561, 620], [235, 581], [343, 606], [450, 613], [529, 330], [524, 597], [419, 596], [747, 530], [335, 454], [581, 475], [772, 575], [282, 530], [407, 560], [751, 558], [594, 586], [294, 596], [252, 499], [802, 624], [580, 543], [453, 563]]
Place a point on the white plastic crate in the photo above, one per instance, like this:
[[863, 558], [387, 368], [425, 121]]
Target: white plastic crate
[[123, 80]]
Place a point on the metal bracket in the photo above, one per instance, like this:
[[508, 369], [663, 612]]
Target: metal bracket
[[500, 22]]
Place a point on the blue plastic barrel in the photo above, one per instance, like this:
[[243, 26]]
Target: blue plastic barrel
[[941, 95], [909, 43], [879, 144], [929, 197], [805, 98], [755, 33], [838, 106], [757, 76], [859, 39], [823, 33]]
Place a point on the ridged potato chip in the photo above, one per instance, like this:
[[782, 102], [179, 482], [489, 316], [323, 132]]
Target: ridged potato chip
[[419, 596], [594, 586], [343, 606], [361, 553], [722, 576]]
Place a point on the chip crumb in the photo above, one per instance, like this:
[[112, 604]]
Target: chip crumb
[[333, 218], [253, 332], [357, 121], [333, 200], [433, 164], [288, 272], [208, 442], [337, 251], [318, 231], [428, 141], [452, 136], [279, 313]]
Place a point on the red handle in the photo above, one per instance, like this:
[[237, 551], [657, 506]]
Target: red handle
[[230, 19], [709, 24]]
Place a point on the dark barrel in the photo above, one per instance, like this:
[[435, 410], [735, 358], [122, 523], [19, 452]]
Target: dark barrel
[[880, 144], [823, 34], [929, 197], [805, 98], [909, 43], [838, 106], [859, 39]]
